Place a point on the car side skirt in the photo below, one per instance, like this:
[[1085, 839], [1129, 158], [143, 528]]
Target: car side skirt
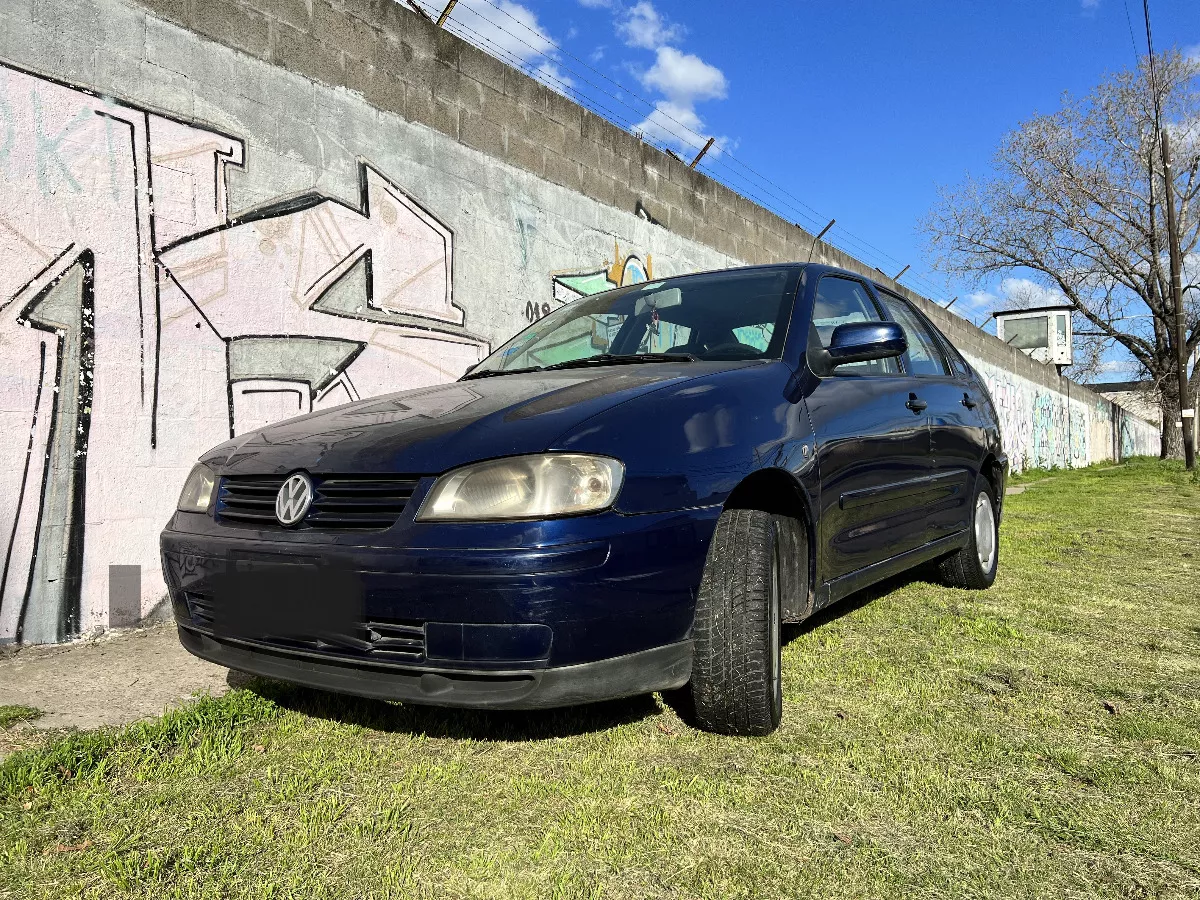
[[845, 585]]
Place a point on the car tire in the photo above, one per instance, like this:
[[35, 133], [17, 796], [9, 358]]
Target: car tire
[[974, 566], [736, 685]]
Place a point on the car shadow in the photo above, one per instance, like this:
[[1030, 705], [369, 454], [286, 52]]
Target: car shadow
[[445, 722], [521, 725], [855, 601]]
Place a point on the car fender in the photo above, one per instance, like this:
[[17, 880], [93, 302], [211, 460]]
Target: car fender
[[691, 444]]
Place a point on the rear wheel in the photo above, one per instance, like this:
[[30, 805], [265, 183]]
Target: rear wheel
[[974, 566], [736, 685]]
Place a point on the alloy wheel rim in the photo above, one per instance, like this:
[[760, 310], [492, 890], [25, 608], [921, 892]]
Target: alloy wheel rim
[[985, 531]]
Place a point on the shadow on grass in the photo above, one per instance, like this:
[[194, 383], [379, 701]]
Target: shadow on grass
[[855, 601], [520, 725], [445, 722]]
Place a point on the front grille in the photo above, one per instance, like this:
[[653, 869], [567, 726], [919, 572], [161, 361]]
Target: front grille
[[340, 502]]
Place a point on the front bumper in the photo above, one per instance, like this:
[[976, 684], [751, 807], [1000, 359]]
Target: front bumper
[[517, 615], [660, 668]]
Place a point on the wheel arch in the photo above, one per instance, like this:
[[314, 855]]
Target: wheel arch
[[778, 492], [993, 470]]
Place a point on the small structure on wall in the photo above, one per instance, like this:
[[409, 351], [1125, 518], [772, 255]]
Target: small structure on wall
[[1042, 332]]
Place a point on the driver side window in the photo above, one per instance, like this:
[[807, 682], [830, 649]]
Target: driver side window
[[842, 300]]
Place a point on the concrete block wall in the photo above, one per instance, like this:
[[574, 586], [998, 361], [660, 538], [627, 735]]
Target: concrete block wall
[[224, 212]]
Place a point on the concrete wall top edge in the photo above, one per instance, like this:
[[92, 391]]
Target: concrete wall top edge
[[402, 63]]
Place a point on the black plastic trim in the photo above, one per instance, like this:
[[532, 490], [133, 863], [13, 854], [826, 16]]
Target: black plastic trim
[[657, 669]]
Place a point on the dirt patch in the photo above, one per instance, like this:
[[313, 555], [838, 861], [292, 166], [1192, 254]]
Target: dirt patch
[[114, 679]]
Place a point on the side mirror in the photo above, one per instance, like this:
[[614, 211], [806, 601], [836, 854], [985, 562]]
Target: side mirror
[[861, 341]]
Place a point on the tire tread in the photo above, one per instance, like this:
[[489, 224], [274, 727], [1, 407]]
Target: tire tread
[[731, 672]]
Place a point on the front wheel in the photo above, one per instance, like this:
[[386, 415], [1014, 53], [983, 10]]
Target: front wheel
[[974, 566], [736, 685]]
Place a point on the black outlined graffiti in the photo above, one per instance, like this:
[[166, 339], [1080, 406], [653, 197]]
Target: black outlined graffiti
[[142, 321]]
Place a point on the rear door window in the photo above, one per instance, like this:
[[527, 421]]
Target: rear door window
[[840, 301], [924, 356]]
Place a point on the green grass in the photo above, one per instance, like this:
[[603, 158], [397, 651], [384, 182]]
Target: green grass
[[11, 715], [1038, 740]]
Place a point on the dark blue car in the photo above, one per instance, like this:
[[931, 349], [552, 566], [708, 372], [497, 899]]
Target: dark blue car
[[631, 495]]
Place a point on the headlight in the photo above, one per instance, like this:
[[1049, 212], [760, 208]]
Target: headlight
[[525, 487], [198, 490]]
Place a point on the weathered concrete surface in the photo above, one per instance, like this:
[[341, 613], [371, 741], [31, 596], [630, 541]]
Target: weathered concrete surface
[[113, 680]]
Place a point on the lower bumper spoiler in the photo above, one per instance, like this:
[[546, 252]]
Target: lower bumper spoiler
[[657, 669]]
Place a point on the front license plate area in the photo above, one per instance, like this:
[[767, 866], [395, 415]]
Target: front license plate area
[[260, 600]]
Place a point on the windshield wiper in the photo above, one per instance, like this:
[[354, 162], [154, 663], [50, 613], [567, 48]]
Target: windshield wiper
[[603, 359], [488, 373], [618, 359]]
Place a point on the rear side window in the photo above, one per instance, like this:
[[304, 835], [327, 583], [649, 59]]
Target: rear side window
[[840, 301], [957, 363], [924, 356]]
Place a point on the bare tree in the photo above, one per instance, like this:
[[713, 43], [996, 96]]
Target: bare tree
[[1075, 202]]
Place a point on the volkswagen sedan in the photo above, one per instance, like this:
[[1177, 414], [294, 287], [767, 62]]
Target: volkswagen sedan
[[633, 494]]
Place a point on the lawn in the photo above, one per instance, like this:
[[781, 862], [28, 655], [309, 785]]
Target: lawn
[[1041, 740]]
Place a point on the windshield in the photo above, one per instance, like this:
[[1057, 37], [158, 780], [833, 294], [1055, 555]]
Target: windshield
[[725, 315]]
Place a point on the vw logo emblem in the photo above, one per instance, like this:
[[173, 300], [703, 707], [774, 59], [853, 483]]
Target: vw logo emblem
[[294, 499]]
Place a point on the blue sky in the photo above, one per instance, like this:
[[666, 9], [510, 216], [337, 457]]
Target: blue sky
[[853, 110]]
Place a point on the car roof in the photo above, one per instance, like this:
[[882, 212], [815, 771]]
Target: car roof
[[818, 268]]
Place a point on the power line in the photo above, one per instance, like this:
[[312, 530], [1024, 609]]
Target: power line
[[784, 199], [563, 87]]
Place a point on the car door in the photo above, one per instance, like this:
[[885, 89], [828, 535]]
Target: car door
[[955, 427], [872, 444]]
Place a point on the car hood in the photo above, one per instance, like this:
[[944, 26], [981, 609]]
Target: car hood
[[431, 430]]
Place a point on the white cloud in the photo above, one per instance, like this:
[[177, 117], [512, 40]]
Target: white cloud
[[1118, 366], [978, 302], [511, 32], [1011, 293], [1021, 293], [1089, 4], [670, 124], [680, 128], [1192, 53], [552, 77], [508, 30], [641, 25], [684, 78]]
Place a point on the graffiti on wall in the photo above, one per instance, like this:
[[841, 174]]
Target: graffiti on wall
[[620, 271], [142, 321], [1046, 429]]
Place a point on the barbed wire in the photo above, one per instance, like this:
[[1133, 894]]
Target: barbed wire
[[721, 166]]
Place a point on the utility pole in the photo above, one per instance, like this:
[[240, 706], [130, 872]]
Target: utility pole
[[1187, 413]]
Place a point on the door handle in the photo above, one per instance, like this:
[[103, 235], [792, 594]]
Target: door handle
[[916, 404], [968, 402]]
